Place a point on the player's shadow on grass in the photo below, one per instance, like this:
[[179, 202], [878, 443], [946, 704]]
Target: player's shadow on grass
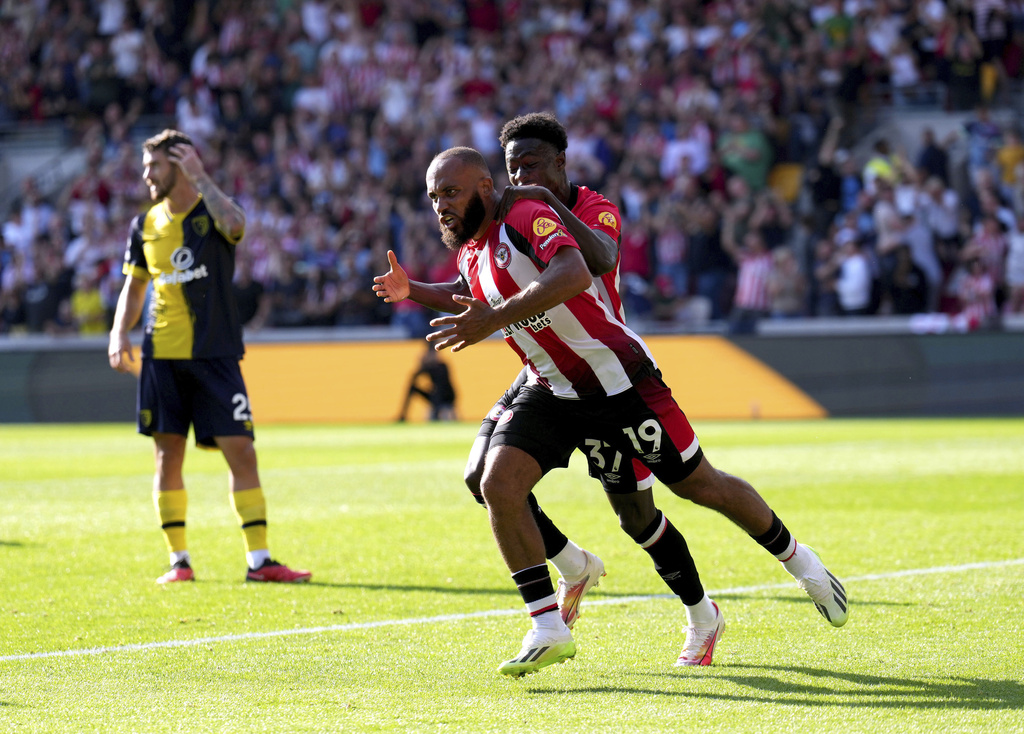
[[841, 690], [475, 590], [11, 544], [802, 599], [413, 587]]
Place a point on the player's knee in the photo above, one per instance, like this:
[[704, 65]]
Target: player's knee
[[635, 512], [707, 489], [502, 497], [472, 476], [169, 454]]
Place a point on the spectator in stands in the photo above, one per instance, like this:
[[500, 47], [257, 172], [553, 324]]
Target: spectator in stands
[[88, 312], [46, 298], [906, 287], [982, 135], [883, 165], [933, 156], [745, 151], [889, 228], [904, 74], [854, 278], [706, 259], [963, 64], [1008, 158], [250, 295], [285, 290], [989, 244], [920, 241], [787, 286], [306, 95], [751, 301], [940, 208], [772, 218], [824, 180], [1015, 269], [976, 293], [825, 266]]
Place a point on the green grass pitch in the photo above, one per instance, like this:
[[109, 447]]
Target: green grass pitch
[[411, 609]]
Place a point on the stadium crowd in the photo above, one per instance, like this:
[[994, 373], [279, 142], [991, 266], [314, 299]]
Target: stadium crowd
[[729, 133]]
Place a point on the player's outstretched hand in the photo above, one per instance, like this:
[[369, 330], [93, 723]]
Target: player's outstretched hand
[[512, 194], [393, 286], [474, 324]]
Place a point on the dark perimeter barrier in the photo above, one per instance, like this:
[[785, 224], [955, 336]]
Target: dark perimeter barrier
[[782, 373]]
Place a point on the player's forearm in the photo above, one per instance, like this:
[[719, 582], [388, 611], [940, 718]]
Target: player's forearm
[[229, 217], [599, 250], [436, 296], [565, 277], [128, 310]]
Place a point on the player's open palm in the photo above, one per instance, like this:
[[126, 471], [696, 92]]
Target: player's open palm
[[393, 286]]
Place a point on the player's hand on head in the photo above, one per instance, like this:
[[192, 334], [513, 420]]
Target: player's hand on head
[[187, 159], [393, 286]]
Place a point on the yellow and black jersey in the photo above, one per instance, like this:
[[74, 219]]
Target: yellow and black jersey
[[192, 312]]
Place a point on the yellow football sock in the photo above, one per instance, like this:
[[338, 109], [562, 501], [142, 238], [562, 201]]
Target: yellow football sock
[[170, 508], [251, 510]]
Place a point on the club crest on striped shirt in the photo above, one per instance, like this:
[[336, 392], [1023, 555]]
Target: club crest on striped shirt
[[502, 256]]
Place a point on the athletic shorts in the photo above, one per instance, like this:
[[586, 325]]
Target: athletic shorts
[[643, 425], [614, 482], [208, 394]]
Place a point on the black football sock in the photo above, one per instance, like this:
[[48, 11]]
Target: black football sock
[[672, 560]]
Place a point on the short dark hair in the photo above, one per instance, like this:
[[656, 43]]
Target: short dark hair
[[164, 141], [539, 125]]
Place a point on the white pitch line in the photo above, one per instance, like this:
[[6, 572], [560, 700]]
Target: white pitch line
[[477, 615]]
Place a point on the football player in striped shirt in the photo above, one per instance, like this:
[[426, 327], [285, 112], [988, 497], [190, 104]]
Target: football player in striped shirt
[[590, 378], [535, 146], [184, 248]]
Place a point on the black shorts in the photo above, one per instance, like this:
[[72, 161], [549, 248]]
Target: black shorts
[[643, 424], [208, 394], [612, 478]]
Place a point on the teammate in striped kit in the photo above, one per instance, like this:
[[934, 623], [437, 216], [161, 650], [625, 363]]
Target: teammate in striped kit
[[590, 379], [190, 375], [534, 146]]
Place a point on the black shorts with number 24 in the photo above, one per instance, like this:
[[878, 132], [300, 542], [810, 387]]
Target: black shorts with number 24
[[208, 394]]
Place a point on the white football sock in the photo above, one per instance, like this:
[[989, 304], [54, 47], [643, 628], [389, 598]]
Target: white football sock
[[180, 556], [702, 614], [571, 561], [550, 622], [256, 558], [799, 561]]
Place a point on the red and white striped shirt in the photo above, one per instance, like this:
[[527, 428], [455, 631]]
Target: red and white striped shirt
[[752, 282], [578, 348], [597, 212]]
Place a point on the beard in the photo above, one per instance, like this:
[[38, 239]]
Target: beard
[[161, 189], [470, 222]]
